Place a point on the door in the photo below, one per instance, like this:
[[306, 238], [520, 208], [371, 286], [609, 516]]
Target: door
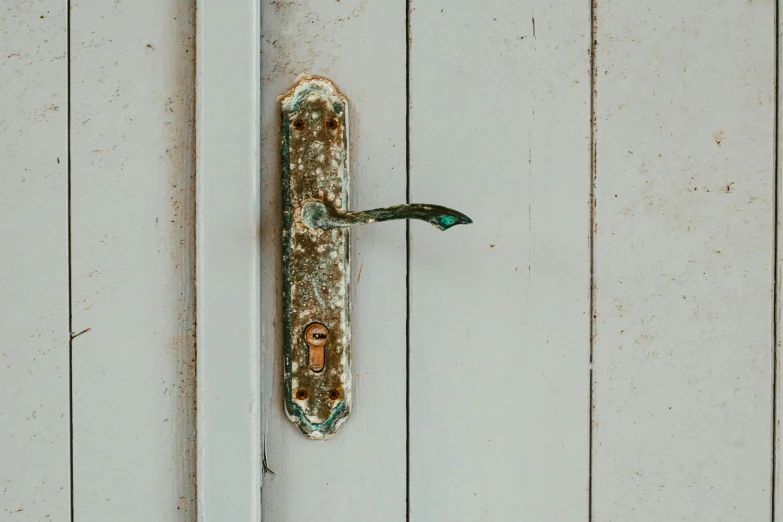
[[459, 352], [598, 345]]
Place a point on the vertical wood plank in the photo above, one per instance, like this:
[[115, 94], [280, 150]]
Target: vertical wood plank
[[499, 310], [132, 74], [228, 190], [360, 473], [34, 380], [684, 260]]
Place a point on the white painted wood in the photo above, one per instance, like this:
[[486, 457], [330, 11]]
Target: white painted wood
[[229, 437], [34, 381], [360, 473], [499, 335], [132, 74], [684, 260]]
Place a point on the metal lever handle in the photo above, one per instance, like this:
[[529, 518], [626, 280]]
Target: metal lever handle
[[317, 214]]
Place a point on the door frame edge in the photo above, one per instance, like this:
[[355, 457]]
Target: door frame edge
[[228, 195]]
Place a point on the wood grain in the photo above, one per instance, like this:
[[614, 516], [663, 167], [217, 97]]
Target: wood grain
[[132, 75], [684, 260], [499, 310], [34, 338]]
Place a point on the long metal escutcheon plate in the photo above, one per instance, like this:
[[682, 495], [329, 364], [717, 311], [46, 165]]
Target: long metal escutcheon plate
[[315, 260]]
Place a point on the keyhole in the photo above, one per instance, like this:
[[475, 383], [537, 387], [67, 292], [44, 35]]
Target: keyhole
[[316, 335]]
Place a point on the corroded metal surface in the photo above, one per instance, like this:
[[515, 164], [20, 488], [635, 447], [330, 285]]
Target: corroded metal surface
[[315, 261], [316, 214]]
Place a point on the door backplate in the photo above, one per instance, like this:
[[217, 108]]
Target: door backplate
[[316, 261]]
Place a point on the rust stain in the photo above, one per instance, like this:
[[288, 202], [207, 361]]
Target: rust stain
[[316, 261], [278, 6], [178, 232]]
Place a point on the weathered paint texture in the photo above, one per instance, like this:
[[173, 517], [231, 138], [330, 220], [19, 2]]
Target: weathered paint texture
[[498, 321], [316, 269], [684, 260], [132, 258], [34, 336]]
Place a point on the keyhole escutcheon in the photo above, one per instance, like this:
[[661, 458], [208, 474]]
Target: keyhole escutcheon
[[316, 335]]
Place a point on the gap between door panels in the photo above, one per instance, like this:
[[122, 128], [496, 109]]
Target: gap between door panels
[[591, 242], [777, 276], [407, 261], [70, 256]]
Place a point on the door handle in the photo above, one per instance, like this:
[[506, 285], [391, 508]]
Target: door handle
[[316, 260], [317, 214]]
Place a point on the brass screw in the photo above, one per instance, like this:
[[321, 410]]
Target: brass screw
[[299, 124], [334, 394], [331, 124], [301, 394]]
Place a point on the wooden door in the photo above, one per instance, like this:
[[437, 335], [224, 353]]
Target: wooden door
[[599, 345], [472, 397]]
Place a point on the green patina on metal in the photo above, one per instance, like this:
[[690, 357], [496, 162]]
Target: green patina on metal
[[315, 262], [316, 257], [316, 214]]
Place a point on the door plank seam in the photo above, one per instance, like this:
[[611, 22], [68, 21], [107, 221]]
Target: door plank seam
[[70, 254], [407, 261], [777, 281], [591, 247]]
